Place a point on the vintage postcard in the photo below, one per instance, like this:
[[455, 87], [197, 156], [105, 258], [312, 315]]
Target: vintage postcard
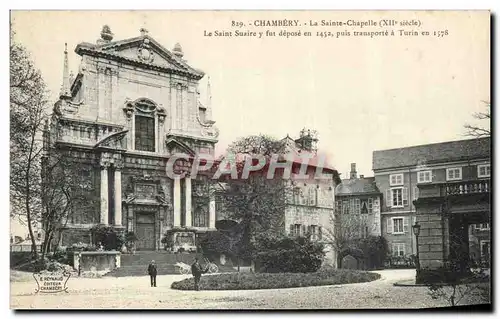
[[250, 159]]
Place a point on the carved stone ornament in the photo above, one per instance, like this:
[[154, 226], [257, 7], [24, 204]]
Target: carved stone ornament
[[129, 110], [161, 115], [145, 53]]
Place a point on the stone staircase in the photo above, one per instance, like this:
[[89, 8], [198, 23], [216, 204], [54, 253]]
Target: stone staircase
[[137, 264]]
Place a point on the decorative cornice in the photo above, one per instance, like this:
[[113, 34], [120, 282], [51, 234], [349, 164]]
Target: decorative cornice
[[81, 50]]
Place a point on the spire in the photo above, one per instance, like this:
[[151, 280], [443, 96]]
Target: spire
[[65, 85], [209, 94]]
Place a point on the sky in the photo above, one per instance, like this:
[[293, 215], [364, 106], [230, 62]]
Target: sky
[[360, 94]]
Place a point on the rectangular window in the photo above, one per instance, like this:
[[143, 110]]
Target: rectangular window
[[144, 133], [345, 207], [370, 205], [397, 197], [398, 225], [338, 206], [485, 248], [295, 229], [398, 249], [454, 174], [357, 206], [396, 179], [483, 170], [424, 177], [312, 196]]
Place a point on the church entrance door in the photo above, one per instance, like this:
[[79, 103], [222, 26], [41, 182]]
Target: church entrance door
[[145, 226]]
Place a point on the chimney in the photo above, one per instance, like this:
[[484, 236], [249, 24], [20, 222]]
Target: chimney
[[353, 173]]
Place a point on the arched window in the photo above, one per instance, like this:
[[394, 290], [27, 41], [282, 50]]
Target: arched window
[[145, 137], [200, 217]]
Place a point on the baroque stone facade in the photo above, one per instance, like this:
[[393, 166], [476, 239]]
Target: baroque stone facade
[[130, 107]]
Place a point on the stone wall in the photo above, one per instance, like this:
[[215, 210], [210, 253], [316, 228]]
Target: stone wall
[[96, 260], [433, 240]]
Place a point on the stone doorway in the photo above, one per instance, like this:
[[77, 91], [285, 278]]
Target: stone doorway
[[145, 231]]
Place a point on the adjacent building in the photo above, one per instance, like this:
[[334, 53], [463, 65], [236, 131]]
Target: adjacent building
[[358, 199], [443, 186]]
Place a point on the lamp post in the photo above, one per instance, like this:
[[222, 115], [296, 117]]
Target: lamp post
[[416, 232]]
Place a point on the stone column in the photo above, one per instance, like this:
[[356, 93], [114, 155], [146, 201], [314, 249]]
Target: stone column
[[118, 195], [189, 217], [177, 201], [211, 212], [104, 194]]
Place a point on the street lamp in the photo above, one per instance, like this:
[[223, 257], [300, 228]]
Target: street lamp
[[416, 232]]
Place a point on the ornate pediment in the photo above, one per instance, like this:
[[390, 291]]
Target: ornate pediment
[[143, 50], [175, 146], [113, 141]]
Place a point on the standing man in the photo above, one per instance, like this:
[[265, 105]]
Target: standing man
[[152, 271], [196, 270]]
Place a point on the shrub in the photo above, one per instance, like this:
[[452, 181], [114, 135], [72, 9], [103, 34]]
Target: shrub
[[244, 281], [60, 255], [108, 236], [293, 255], [375, 250]]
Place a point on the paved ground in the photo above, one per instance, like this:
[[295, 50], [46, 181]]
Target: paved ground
[[135, 293]]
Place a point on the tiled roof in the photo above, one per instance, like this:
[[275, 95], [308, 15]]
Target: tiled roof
[[432, 153], [357, 186]]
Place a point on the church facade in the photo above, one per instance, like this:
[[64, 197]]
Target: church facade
[[130, 107]]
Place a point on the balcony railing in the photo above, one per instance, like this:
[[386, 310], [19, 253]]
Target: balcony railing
[[454, 188], [470, 187]]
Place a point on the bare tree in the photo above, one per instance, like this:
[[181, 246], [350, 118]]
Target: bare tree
[[346, 230], [66, 187], [27, 105], [478, 130]]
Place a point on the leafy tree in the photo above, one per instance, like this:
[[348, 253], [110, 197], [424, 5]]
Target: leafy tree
[[257, 203], [478, 130]]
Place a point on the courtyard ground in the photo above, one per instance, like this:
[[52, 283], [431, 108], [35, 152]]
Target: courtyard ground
[[135, 293]]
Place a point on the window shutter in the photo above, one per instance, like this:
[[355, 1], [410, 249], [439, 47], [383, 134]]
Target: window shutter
[[291, 229], [405, 224], [388, 198], [303, 230], [320, 232], [405, 196], [389, 225], [309, 230]]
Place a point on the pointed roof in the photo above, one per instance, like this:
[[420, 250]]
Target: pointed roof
[[357, 186], [169, 62], [65, 88]]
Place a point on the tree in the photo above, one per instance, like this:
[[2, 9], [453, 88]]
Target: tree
[[345, 233], [65, 188], [478, 130], [257, 203], [28, 99]]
